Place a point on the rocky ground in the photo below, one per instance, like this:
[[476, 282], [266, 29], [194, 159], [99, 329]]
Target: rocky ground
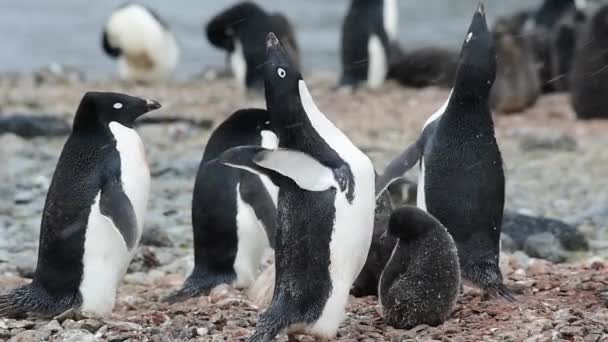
[[555, 166]]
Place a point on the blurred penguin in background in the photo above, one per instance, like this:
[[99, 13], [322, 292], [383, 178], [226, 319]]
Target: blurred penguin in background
[[241, 31], [142, 42]]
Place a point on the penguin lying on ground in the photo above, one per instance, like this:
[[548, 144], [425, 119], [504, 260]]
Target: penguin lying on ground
[[421, 281], [461, 180], [368, 33], [141, 40], [94, 212], [325, 206], [233, 211], [590, 69], [241, 30]]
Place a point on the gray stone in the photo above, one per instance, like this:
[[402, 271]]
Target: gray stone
[[156, 236], [31, 336], [507, 244], [53, 326], [520, 226], [74, 335], [547, 140], [545, 246], [30, 126]]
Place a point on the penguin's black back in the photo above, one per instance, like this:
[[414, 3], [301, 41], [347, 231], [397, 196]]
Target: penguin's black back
[[86, 160], [364, 18], [250, 24], [214, 204]]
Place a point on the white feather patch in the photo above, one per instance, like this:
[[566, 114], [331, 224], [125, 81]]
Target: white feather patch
[[300, 167], [106, 256], [378, 64], [238, 64], [252, 243], [270, 141], [390, 14], [420, 195]]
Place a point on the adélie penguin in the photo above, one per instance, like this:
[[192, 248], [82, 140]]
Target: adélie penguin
[[241, 31], [462, 180], [325, 206], [233, 211], [369, 32], [142, 42], [94, 212]]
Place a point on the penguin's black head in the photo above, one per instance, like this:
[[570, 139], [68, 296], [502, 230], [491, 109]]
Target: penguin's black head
[[409, 222], [477, 64], [281, 76], [100, 108]]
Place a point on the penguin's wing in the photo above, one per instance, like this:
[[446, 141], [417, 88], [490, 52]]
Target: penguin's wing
[[256, 195], [399, 166], [115, 205], [280, 164]]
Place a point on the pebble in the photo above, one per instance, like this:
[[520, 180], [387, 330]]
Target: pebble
[[545, 246], [31, 336], [74, 335]]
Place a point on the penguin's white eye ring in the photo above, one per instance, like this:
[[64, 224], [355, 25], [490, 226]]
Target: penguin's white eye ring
[[117, 105], [281, 72]]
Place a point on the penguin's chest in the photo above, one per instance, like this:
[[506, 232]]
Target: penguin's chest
[[106, 256], [378, 62]]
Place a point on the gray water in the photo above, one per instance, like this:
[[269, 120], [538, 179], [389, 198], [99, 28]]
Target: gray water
[[34, 33]]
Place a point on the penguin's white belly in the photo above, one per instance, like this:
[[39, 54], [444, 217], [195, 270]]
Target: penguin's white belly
[[378, 64], [154, 64], [420, 195], [354, 222], [349, 246], [106, 256], [252, 243], [238, 64]]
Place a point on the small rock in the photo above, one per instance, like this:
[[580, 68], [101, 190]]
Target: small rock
[[156, 236], [545, 246], [76, 335], [507, 244], [89, 324], [547, 140], [31, 335], [53, 326]]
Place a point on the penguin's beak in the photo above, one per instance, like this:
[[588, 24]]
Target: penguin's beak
[[152, 105], [276, 54]]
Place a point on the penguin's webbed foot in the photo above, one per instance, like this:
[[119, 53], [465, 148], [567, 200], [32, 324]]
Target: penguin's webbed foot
[[499, 291]]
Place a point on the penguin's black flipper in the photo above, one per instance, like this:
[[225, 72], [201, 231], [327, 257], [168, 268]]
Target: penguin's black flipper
[[399, 166], [281, 165], [115, 204]]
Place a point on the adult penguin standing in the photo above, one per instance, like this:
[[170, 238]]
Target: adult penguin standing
[[233, 211], [325, 206], [462, 180], [368, 32], [241, 31], [94, 212]]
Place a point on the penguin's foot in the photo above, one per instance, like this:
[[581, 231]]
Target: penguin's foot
[[185, 293], [8, 307], [499, 291]]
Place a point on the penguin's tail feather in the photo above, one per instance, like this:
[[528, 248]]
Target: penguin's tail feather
[[11, 304], [501, 291], [197, 284]]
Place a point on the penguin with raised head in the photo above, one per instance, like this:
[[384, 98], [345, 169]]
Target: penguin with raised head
[[241, 31], [421, 281], [369, 33], [233, 211], [589, 72], [325, 206], [94, 212], [142, 42], [462, 181]]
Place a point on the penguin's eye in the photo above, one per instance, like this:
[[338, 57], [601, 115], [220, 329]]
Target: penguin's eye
[[117, 105], [281, 72]]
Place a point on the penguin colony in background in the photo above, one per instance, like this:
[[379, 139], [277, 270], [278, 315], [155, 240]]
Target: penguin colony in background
[[287, 178]]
